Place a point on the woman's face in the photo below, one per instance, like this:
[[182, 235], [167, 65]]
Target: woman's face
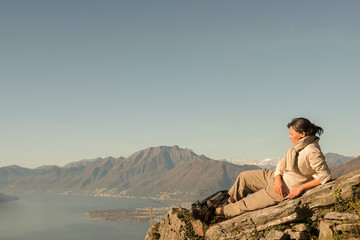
[[295, 136]]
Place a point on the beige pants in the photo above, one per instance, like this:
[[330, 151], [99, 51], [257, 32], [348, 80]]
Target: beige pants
[[260, 185]]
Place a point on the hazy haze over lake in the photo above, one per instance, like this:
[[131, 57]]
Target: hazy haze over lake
[[64, 218]]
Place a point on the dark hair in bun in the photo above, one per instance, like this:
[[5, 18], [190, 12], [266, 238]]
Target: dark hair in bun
[[304, 125]]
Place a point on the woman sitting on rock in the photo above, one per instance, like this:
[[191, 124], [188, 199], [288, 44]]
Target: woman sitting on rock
[[302, 168]]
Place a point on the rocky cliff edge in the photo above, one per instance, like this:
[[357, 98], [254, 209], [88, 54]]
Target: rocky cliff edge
[[318, 213]]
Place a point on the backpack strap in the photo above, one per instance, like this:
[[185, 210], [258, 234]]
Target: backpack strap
[[203, 202]]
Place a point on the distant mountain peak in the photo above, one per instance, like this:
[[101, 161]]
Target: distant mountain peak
[[348, 167], [154, 151], [82, 162], [335, 160], [330, 154], [14, 166], [264, 163]]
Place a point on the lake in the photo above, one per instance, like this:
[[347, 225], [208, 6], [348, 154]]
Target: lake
[[64, 218]]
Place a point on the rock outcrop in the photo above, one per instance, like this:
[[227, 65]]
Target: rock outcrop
[[291, 219]]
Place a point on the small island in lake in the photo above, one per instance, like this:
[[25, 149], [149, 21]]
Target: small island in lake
[[6, 198], [129, 214]]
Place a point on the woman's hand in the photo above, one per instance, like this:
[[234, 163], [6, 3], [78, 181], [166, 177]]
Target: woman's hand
[[295, 192], [279, 186]]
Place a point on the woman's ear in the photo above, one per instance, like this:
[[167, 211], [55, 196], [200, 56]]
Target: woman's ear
[[303, 134]]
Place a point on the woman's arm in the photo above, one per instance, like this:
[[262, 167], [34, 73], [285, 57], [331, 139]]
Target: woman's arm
[[279, 186], [318, 164], [279, 183], [297, 191]]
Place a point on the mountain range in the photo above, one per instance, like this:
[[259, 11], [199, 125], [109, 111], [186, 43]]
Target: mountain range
[[333, 160], [266, 163], [346, 168], [157, 172]]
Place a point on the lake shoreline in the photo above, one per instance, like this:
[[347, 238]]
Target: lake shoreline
[[129, 214]]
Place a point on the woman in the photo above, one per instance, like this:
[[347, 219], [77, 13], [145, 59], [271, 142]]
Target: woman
[[302, 168]]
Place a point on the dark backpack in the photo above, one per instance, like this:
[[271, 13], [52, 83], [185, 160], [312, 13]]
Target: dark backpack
[[205, 210]]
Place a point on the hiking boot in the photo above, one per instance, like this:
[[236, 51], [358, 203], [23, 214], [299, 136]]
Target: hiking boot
[[205, 210], [216, 203], [203, 213]]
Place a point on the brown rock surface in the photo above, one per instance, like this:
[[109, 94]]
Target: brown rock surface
[[311, 206]]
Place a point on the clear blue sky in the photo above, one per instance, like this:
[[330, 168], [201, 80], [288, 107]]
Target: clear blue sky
[[84, 79]]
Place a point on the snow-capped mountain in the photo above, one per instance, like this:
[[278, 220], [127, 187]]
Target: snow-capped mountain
[[264, 163]]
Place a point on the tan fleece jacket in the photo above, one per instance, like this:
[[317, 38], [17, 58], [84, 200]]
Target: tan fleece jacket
[[311, 165]]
